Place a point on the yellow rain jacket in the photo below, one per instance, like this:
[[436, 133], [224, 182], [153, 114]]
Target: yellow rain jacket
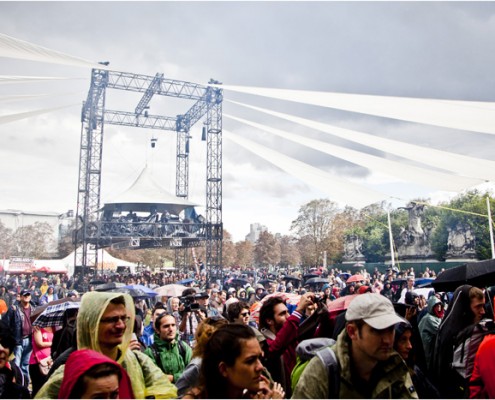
[[146, 378]]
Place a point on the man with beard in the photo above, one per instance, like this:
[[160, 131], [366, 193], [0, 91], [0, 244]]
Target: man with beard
[[281, 331], [168, 351], [368, 367]]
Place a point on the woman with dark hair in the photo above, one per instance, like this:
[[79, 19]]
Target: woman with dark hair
[[11, 379], [190, 375], [232, 368], [90, 374]]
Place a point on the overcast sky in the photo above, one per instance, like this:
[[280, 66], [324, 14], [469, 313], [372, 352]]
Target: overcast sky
[[412, 49]]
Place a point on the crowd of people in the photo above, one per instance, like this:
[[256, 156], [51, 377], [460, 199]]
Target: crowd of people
[[263, 335]]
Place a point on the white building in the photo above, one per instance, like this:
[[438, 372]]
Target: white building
[[255, 231], [14, 219]]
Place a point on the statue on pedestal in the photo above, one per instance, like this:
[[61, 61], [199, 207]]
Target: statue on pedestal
[[413, 242], [460, 243], [352, 248]]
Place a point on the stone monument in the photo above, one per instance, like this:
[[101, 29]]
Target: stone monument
[[461, 243], [352, 249], [414, 241]]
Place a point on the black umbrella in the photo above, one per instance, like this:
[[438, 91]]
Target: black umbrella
[[480, 274], [291, 278], [237, 281], [265, 281], [97, 282], [109, 286], [309, 276], [315, 281]]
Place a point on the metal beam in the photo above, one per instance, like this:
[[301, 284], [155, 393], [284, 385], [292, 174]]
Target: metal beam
[[148, 94], [167, 87], [125, 118]]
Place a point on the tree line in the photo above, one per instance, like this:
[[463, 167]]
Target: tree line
[[319, 228]]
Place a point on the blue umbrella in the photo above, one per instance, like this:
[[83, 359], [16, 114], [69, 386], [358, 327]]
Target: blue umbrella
[[145, 289], [186, 281], [344, 275], [423, 282]]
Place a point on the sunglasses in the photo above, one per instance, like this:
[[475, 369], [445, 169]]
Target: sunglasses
[[115, 320], [245, 314]]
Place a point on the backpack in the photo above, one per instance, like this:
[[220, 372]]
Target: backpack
[[466, 346], [156, 355], [319, 347]]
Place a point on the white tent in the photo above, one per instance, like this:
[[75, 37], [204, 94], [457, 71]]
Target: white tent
[[145, 193], [66, 265]]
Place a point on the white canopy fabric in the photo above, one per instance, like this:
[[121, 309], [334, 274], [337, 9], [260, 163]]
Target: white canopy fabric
[[469, 116], [401, 170], [145, 193], [456, 163], [22, 97], [4, 119], [16, 48], [339, 190], [5, 79]]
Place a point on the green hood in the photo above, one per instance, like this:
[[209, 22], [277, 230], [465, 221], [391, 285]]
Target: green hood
[[93, 305]]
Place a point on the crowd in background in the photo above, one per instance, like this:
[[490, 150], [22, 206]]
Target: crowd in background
[[245, 334]]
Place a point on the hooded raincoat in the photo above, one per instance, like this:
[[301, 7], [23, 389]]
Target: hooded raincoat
[[79, 362], [428, 329], [457, 317], [146, 378]]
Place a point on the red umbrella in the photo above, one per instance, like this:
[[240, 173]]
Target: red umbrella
[[355, 278], [341, 303]]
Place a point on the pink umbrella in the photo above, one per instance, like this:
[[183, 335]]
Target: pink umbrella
[[341, 303], [355, 278]]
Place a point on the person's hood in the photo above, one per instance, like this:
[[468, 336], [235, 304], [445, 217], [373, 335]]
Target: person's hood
[[79, 362], [432, 302], [93, 305]]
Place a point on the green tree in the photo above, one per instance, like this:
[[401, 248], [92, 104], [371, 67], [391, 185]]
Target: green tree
[[315, 221], [374, 232], [267, 250], [466, 209]]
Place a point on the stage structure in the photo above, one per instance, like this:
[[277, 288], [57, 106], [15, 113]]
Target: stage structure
[[98, 228]]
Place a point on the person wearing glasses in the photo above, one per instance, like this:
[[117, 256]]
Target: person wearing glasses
[[104, 324], [239, 313]]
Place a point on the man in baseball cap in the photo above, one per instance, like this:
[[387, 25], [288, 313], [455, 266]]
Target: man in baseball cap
[[367, 363]]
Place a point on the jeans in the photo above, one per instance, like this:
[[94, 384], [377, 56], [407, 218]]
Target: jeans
[[22, 355]]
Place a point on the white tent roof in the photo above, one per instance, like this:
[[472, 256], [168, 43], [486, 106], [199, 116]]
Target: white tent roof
[[145, 193]]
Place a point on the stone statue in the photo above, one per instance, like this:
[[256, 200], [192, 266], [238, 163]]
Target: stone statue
[[460, 242], [413, 241], [352, 248]]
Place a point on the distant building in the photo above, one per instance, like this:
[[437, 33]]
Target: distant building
[[60, 223], [255, 231]]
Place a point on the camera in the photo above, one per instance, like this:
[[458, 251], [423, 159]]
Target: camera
[[189, 303], [318, 299]]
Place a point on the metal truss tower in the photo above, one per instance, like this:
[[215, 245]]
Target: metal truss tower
[[208, 102]]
